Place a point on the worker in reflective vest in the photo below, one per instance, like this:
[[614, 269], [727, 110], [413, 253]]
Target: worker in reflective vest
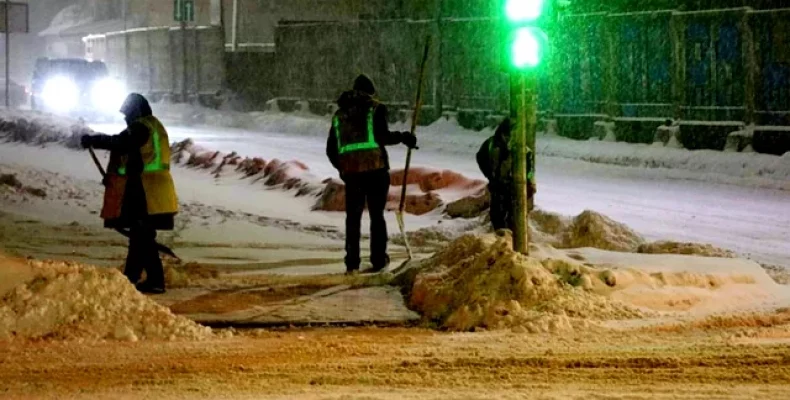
[[139, 192], [356, 148], [496, 163]]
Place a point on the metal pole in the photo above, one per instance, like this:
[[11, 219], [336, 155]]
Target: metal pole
[[125, 43], [518, 143], [531, 95], [184, 60], [7, 57], [234, 38]]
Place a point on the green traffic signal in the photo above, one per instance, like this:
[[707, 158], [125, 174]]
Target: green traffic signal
[[527, 41], [528, 47], [524, 10]]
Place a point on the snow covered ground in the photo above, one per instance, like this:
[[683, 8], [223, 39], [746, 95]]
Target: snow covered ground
[[731, 200], [738, 201]]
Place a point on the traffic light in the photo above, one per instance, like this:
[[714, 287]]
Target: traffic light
[[527, 41]]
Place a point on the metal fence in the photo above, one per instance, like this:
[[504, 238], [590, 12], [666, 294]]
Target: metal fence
[[718, 65], [152, 60]]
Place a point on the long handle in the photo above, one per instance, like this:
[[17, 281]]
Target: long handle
[[160, 247], [97, 162], [414, 118]]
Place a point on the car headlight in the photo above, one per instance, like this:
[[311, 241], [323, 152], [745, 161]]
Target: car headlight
[[61, 94], [108, 95]]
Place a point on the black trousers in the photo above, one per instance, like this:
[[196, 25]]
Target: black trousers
[[371, 188], [502, 203], [501, 210], [143, 255]]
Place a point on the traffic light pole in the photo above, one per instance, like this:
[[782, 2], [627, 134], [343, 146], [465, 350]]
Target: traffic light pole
[[522, 117]]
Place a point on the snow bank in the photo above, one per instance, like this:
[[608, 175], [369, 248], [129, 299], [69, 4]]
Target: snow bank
[[693, 249], [72, 301], [479, 282], [689, 285], [427, 189], [37, 128], [745, 169]]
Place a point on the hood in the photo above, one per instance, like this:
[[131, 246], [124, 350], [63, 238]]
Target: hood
[[135, 106], [502, 132], [353, 99], [364, 84]]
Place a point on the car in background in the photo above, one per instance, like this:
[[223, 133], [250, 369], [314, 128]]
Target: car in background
[[77, 88], [17, 94]]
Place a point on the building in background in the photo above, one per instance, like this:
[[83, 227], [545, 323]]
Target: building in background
[[250, 24], [26, 47], [63, 35]]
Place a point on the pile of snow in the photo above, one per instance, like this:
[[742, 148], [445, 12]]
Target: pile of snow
[[480, 282], [37, 128], [588, 229], [72, 301], [591, 229]]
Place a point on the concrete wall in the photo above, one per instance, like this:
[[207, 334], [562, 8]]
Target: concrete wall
[[152, 63], [319, 61], [257, 18]]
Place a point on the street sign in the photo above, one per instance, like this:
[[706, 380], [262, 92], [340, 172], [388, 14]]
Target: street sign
[[184, 10], [17, 18]]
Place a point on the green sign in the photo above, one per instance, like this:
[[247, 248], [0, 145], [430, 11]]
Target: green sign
[[184, 10], [527, 41]]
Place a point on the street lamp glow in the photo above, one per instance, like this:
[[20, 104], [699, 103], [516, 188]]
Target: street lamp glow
[[528, 47], [523, 10]]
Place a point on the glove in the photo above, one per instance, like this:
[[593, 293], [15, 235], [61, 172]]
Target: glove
[[410, 140], [86, 141]]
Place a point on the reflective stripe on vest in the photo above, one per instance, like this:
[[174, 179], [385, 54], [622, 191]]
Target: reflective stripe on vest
[[156, 165], [370, 144]]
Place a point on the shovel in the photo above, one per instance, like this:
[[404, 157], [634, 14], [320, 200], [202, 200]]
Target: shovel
[[159, 247], [415, 117]]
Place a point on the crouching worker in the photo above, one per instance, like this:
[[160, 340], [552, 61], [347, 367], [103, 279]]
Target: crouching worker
[[496, 162], [139, 193], [356, 148]]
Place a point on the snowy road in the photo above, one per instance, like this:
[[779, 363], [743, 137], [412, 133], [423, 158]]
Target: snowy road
[[753, 222]]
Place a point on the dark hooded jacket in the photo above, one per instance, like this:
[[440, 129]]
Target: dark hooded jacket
[[496, 163], [136, 135], [355, 105]]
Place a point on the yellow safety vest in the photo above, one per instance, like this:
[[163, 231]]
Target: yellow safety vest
[[160, 193]]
